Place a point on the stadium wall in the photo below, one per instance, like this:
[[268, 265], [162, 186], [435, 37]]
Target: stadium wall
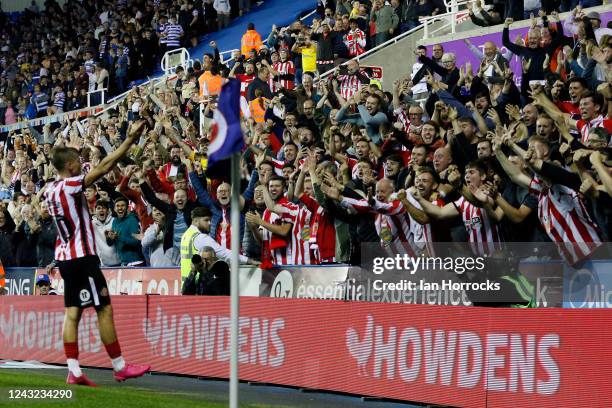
[[458, 356]]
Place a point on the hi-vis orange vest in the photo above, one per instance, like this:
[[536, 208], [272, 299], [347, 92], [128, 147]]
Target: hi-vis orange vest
[[257, 107], [210, 84], [250, 40]]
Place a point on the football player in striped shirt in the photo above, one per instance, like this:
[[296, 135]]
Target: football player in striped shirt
[[77, 260]]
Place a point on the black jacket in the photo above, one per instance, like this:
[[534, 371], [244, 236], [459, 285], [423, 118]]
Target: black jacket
[[170, 211], [24, 242], [7, 251], [213, 282], [258, 84], [45, 246]]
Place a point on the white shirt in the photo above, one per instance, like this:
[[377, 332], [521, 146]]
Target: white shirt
[[204, 240]]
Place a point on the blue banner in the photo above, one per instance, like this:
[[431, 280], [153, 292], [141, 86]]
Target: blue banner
[[20, 281]]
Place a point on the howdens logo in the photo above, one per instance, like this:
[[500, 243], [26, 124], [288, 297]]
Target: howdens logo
[[208, 337], [512, 362]]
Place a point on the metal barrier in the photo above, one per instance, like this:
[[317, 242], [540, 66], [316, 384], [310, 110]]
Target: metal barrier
[[101, 92], [175, 58], [451, 18]]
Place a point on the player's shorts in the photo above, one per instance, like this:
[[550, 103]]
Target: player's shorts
[[84, 284]]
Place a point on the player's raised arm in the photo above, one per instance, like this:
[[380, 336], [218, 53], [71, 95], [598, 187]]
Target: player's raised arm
[[136, 130]]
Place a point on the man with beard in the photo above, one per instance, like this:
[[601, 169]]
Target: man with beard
[[274, 230], [125, 235], [369, 115], [245, 78], [490, 57], [425, 185], [395, 171], [307, 118], [364, 149], [476, 208], [221, 228], [174, 166]]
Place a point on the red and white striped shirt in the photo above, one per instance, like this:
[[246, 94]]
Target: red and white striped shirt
[[224, 230], [565, 220], [280, 254], [245, 81], [584, 127], [284, 68], [349, 85], [68, 207], [484, 234], [355, 42], [427, 234], [407, 125], [393, 223], [299, 216]]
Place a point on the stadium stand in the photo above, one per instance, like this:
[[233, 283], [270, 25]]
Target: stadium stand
[[499, 161], [485, 138]]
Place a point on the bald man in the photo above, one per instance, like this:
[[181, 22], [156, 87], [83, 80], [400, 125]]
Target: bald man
[[393, 223], [489, 56], [221, 229]]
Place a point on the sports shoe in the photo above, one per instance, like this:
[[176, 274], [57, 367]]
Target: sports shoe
[[82, 380], [131, 371]]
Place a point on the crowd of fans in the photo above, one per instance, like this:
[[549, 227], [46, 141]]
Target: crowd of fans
[[333, 163], [51, 57]]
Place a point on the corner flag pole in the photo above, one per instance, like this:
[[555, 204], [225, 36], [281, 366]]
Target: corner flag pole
[[234, 284]]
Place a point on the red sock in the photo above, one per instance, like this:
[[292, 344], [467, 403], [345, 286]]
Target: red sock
[[71, 350], [113, 349]]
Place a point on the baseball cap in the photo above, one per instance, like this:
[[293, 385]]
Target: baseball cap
[[43, 277]]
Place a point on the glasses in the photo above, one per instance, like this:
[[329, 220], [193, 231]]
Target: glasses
[[448, 62]]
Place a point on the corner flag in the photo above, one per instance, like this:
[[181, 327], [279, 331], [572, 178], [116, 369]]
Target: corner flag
[[226, 133]]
